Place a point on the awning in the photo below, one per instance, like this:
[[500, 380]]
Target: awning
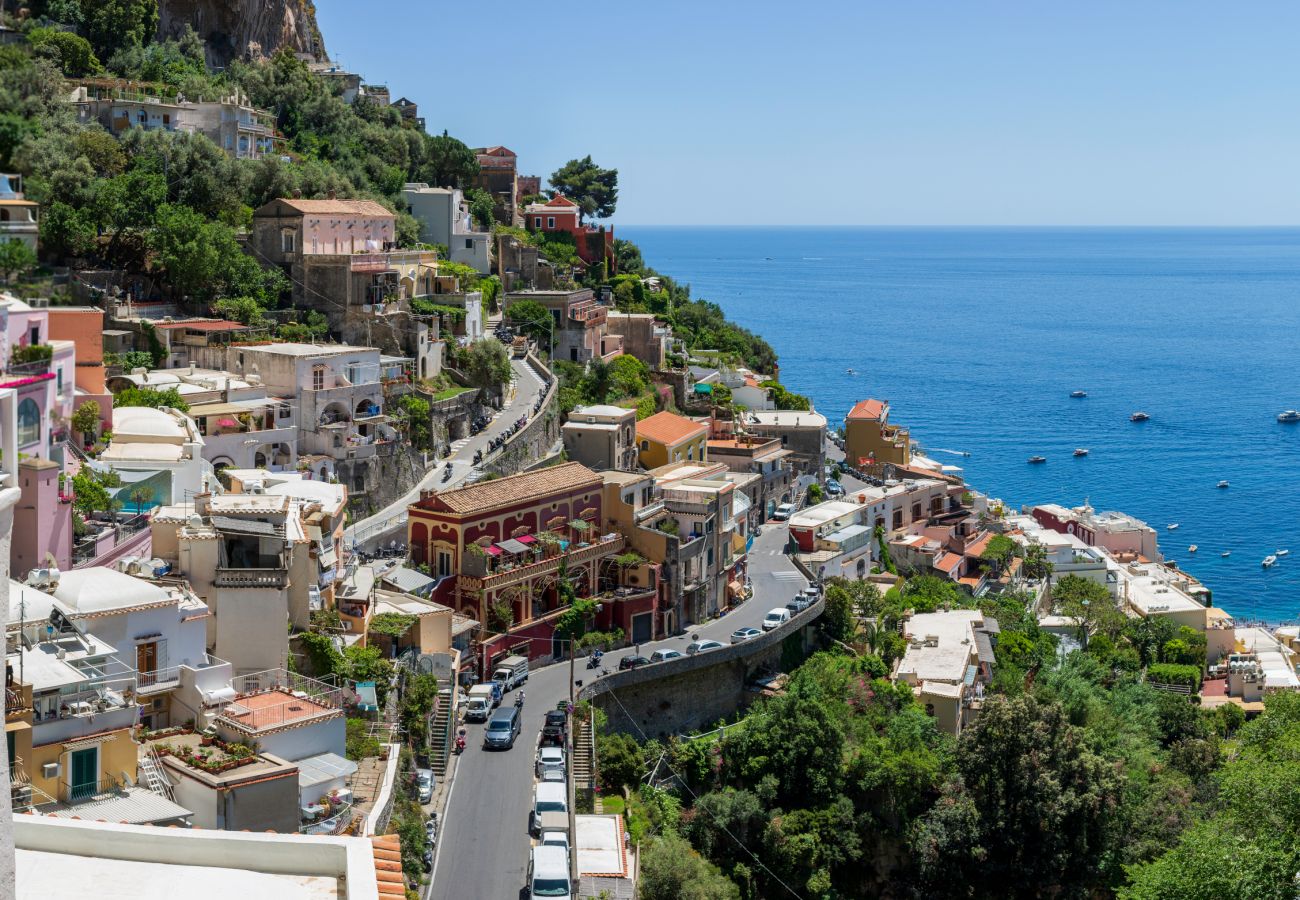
[[329, 559], [370, 420], [510, 545], [87, 743], [526, 539], [701, 388], [579, 525], [492, 550], [313, 770], [246, 526]]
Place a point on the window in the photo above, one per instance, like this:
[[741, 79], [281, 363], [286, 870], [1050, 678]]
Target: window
[[550, 221], [288, 240], [318, 378], [537, 221], [59, 373], [29, 422], [645, 445], [34, 337], [444, 562], [469, 243]]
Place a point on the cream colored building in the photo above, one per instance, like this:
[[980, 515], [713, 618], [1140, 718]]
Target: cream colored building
[[948, 662]]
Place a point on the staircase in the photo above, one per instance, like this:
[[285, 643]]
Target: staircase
[[440, 737], [151, 774], [584, 757]]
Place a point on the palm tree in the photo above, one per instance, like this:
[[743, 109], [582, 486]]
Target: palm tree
[[601, 375]]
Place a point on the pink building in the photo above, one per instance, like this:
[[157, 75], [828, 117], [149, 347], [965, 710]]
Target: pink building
[[42, 371], [42, 520], [1114, 531]]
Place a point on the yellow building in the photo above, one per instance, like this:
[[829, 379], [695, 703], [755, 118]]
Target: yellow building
[[667, 438], [868, 436]]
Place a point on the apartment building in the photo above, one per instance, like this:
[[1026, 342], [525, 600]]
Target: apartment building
[[761, 456], [869, 439], [561, 215], [601, 437], [948, 663], [445, 219], [577, 329], [801, 432], [666, 438]]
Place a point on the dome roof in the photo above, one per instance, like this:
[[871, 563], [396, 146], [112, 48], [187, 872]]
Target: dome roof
[[28, 603], [98, 589], [144, 420]]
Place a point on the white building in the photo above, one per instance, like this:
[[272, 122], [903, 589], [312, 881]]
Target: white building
[[445, 219], [948, 661], [153, 440]]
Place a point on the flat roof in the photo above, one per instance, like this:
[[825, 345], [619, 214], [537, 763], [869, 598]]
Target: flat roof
[[133, 805], [948, 660], [599, 845], [823, 513], [788, 418]]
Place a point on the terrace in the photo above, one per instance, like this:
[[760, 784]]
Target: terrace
[[276, 699]]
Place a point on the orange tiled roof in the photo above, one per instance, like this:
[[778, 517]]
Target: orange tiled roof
[[339, 207], [561, 200], [203, 325], [867, 409], [490, 494], [387, 850], [948, 562], [669, 429], [979, 546]]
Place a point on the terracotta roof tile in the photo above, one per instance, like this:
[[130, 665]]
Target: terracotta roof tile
[[867, 409], [389, 879], [948, 562], [561, 200], [979, 546], [339, 207], [669, 428], [203, 325], [487, 495]]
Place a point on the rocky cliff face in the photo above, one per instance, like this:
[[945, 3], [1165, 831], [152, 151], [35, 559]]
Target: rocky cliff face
[[234, 29]]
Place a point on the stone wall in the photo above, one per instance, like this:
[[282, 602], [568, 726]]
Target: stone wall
[[694, 692], [532, 444]]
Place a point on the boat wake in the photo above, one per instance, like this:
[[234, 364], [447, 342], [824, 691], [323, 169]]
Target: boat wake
[[942, 450]]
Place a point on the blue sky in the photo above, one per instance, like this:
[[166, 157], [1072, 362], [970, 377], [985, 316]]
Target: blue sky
[[871, 113]]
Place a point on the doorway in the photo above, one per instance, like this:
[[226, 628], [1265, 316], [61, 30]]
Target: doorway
[[83, 773]]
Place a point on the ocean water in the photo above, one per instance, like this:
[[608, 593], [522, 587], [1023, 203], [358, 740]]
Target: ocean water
[[977, 337]]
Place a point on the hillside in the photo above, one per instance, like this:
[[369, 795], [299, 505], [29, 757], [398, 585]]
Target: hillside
[[236, 29]]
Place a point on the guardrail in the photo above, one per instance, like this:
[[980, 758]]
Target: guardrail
[[252, 578]]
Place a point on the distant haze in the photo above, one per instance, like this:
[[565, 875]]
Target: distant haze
[[1016, 112]]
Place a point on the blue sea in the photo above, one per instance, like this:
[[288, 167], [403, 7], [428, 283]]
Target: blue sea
[[976, 337]]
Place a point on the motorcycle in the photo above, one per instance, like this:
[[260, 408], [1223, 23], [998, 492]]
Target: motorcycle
[[519, 700], [594, 662], [460, 742]]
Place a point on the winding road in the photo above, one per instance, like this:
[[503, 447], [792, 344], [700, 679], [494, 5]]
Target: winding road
[[484, 843]]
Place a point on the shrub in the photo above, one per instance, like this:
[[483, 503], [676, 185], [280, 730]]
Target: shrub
[[1174, 673]]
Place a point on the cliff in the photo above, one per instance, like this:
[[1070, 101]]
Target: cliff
[[235, 29]]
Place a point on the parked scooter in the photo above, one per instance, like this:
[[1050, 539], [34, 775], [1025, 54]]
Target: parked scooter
[[460, 742]]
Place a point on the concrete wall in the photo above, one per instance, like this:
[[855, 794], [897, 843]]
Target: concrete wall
[[694, 692], [529, 445]]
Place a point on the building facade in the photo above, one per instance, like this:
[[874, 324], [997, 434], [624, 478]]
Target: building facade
[[601, 437], [869, 438]]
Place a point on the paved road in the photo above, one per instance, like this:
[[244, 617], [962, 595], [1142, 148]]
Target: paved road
[[483, 848], [392, 518]]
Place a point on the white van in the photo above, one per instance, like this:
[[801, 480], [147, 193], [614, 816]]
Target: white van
[[550, 807], [548, 873], [775, 617]]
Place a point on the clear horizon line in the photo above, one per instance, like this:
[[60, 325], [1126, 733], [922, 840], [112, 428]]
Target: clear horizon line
[[951, 226]]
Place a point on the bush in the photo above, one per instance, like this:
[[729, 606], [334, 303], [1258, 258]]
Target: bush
[[1174, 673]]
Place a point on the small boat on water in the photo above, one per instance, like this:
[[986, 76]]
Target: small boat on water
[[1269, 560], [850, 372], [1192, 549], [1139, 416], [1080, 451], [1078, 394], [1223, 484], [1226, 553], [1172, 526], [1290, 415], [1281, 552], [1035, 460]]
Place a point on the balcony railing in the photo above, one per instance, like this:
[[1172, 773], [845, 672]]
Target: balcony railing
[[251, 578], [86, 790], [17, 700], [29, 368], [576, 555], [158, 680]]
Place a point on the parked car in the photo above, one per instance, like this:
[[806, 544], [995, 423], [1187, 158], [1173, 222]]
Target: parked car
[[424, 784], [744, 634], [661, 655], [834, 488], [632, 662], [550, 758], [799, 603], [550, 808], [548, 873], [775, 617], [555, 728], [695, 647], [502, 729], [783, 512]]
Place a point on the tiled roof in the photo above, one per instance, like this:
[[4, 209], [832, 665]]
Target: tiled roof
[[948, 562], [490, 494], [340, 207], [388, 865], [867, 409], [669, 428], [561, 200], [203, 325], [979, 546]]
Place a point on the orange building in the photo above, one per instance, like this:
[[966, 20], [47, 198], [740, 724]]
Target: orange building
[[869, 438], [84, 326]]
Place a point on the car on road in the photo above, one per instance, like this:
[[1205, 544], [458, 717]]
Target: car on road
[[424, 784], [550, 807], [783, 512], [775, 617], [632, 662], [695, 647], [550, 758], [744, 634], [548, 873], [662, 655], [554, 728], [800, 602], [555, 839], [502, 729], [834, 488]]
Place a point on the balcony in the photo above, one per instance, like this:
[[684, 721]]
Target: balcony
[[18, 699], [252, 578], [158, 681], [521, 573], [276, 698]]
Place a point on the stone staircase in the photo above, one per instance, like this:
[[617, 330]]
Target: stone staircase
[[584, 757], [440, 734]]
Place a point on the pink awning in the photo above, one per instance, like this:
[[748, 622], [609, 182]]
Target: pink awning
[[493, 550], [526, 539]]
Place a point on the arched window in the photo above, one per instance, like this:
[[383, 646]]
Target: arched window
[[29, 422]]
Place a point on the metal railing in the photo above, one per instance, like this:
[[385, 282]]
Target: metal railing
[[268, 578], [86, 790], [158, 679]]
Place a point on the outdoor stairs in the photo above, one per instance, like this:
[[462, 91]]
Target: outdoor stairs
[[151, 775], [584, 756], [440, 736]]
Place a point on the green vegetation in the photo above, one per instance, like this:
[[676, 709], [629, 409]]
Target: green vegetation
[[134, 396], [486, 364], [594, 189], [391, 624]]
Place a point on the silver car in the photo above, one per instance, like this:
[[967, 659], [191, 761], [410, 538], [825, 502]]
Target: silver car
[[661, 655], [744, 634]]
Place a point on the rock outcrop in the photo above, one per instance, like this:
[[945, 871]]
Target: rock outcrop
[[238, 29]]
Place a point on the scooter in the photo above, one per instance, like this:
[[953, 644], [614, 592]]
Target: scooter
[[594, 662], [460, 742], [519, 700]]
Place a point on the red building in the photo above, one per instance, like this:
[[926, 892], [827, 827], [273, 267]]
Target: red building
[[562, 214], [499, 550]]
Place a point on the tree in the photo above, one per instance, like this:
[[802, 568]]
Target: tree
[[594, 189], [814, 493], [141, 495], [837, 620], [672, 870], [414, 412], [481, 206], [16, 258], [600, 376], [486, 364], [85, 420], [1031, 811], [621, 763], [450, 163], [1000, 550], [1036, 565], [90, 490], [114, 24], [72, 54], [418, 699], [134, 396], [531, 317]]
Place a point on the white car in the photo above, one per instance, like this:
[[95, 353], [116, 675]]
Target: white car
[[775, 617], [548, 873], [783, 512], [549, 799], [550, 759], [695, 647], [661, 655], [424, 784], [555, 839]]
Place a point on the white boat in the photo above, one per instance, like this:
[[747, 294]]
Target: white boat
[[1172, 526], [1035, 460], [849, 372], [1290, 415], [1078, 394], [1223, 484], [1281, 552], [1269, 560], [1192, 549], [1139, 416], [1080, 451], [1226, 553]]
